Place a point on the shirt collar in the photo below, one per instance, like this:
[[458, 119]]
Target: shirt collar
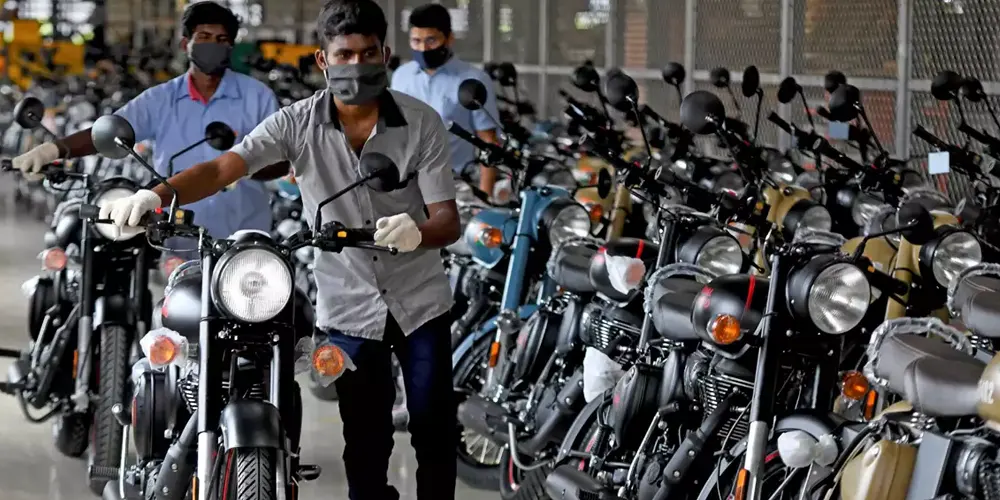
[[228, 88], [389, 114]]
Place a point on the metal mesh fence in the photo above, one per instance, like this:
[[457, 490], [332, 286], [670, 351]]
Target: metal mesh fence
[[735, 33], [857, 37]]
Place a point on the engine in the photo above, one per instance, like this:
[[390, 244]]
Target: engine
[[710, 379], [602, 322]]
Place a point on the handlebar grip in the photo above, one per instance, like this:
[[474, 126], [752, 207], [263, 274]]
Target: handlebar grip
[[467, 136], [928, 137], [6, 165], [978, 135], [780, 122], [361, 235]]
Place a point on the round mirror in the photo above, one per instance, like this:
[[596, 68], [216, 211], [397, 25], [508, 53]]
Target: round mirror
[[972, 89], [701, 111], [604, 182], [507, 74], [621, 91], [380, 170], [585, 78], [673, 74], [833, 79], [108, 132], [844, 103], [472, 94], [751, 81], [719, 77], [945, 85], [29, 112], [919, 220], [787, 90], [220, 136]]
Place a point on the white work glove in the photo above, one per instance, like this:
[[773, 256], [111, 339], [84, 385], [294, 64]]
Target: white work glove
[[399, 232], [31, 163], [126, 212]]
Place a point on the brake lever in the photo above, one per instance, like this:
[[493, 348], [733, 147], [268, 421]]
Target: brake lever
[[378, 248]]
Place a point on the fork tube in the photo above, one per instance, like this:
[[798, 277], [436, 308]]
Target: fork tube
[[666, 246], [208, 383], [86, 324], [761, 405]]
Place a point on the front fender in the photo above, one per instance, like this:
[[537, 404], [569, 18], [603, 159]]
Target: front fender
[[112, 309], [488, 328], [247, 423]]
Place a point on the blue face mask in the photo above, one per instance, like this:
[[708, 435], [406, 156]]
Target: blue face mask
[[433, 58]]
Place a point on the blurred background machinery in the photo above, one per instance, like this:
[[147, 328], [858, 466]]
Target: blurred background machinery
[[890, 49]]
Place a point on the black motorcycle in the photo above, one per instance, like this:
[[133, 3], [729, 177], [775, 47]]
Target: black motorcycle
[[242, 317]]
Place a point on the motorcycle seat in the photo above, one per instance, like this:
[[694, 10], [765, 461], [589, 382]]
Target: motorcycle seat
[[898, 352], [943, 387], [673, 301], [981, 313]]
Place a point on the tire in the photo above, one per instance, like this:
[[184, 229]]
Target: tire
[[69, 433], [469, 470], [113, 372], [251, 475]]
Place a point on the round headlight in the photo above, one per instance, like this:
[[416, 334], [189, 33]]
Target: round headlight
[[572, 221], [864, 209], [714, 249], [252, 284], [954, 253], [109, 231], [839, 298], [816, 218]]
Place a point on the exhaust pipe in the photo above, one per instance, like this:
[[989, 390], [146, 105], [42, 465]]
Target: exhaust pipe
[[178, 465], [568, 483]]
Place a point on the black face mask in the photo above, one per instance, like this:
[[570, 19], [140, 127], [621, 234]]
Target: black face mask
[[211, 58], [433, 58]]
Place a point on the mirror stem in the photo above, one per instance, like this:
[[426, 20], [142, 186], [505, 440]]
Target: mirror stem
[[319, 209], [756, 120], [732, 97], [868, 237], [173, 192], [170, 162], [993, 114], [868, 124], [805, 105], [604, 103], [645, 140], [961, 110], [500, 132], [680, 97]]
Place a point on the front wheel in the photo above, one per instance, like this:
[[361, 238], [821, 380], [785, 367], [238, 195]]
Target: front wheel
[[112, 374], [251, 474], [478, 463]]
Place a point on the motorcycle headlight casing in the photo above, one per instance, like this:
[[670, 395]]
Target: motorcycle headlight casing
[[714, 249], [864, 209], [952, 252], [113, 192], [807, 213], [252, 283], [565, 219], [831, 293]]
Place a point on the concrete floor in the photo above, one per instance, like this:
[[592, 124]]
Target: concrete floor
[[31, 468]]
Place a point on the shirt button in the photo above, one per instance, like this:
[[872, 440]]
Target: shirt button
[[368, 222], [384, 291], [375, 258]]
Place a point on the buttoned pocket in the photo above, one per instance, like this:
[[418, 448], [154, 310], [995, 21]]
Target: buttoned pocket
[[404, 200]]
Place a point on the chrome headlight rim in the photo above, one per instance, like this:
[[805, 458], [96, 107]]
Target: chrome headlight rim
[[227, 259], [560, 216], [807, 281], [933, 253], [693, 250], [807, 213], [112, 187]]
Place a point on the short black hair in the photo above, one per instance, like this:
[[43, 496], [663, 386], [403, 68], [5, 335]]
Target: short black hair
[[431, 15], [351, 17], [207, 12]]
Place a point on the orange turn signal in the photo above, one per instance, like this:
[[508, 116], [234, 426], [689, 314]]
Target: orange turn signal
[[162, 351], [53, 259], [494, 354], [328, 361], [490, 237], [725, 329], [596, 211], [854, 385], [741, 484]]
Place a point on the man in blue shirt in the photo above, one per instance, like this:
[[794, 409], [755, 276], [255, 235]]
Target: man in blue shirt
[[175, 113], [433, 76]]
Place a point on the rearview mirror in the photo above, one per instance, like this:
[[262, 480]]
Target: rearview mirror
[[472, 94], [506, 74], [920, 224], [720, 77], [972, 89], [585, 78], [945, 85], [844, 103], [787, 90], [673, 74], [113, 136], [621, 91], [604, 182], [751, 81], [834, 79], [701, 111], [220, 136], [29, 112], [380, 170]]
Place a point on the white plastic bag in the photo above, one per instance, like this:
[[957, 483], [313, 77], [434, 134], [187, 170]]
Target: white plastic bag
[[600, 373], [799, 449], [625, 273]]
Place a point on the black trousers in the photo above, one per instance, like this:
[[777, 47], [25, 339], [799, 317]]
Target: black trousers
[[367, 395]]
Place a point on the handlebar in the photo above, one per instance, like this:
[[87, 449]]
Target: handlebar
[[813, 142], [7, 165], [981, 137], [495, 153]]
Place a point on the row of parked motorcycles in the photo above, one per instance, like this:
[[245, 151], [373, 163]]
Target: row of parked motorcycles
[[635, 318], [667, 324]]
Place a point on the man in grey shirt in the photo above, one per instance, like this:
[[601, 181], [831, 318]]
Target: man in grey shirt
[[370, 303]]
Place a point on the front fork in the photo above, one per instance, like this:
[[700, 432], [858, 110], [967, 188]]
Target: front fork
[[81, 398], [748, 480]]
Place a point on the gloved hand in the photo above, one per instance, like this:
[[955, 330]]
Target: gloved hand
[[31, 163], [126, 212], [399, 232]]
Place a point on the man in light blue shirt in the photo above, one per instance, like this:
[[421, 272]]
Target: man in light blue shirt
[[175, 113], [434, 75]]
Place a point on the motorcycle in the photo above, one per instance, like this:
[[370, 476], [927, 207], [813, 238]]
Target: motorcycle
[[243, 403]]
